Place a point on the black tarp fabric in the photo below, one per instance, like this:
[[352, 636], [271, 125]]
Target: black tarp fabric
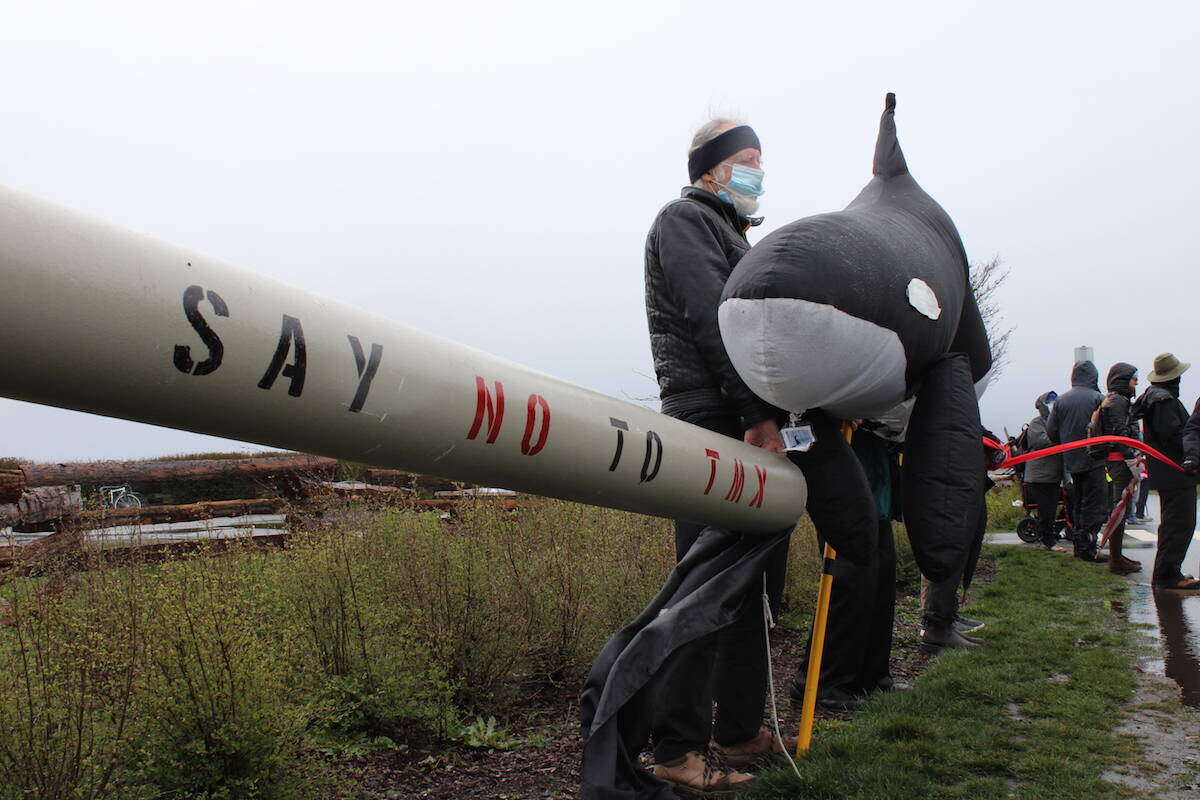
[[703, 594], [840, 502]]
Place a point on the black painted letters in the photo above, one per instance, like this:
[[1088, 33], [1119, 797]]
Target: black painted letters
[[192, 296], [291, 334], [366, 370]]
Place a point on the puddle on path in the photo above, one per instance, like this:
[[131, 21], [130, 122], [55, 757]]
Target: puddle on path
[[1175, 615]]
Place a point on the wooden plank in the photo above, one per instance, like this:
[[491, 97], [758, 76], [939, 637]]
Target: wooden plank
[[395, 477], [120, 472], [149, 515]]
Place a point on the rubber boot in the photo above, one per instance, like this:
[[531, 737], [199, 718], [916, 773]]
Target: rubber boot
[[934, 640]]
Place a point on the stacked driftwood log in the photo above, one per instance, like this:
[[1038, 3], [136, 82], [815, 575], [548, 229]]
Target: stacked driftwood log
[[37, 497], [41, 493]]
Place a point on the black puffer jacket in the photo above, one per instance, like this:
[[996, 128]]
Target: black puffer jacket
[[1116, 411], [1069, 418], [1165, 418], [693, 245], [1047, 469], [1191, 434]]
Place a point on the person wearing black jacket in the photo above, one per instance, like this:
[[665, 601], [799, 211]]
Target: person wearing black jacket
[[1191, 442], [1116, 419], [1043, 476], [1068, 422], [693, 245], [1165, 420]]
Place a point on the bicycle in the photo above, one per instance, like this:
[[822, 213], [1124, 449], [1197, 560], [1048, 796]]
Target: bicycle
[[120, 497]]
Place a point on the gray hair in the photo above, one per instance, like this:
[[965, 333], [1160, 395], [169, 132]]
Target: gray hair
[[709, 131]]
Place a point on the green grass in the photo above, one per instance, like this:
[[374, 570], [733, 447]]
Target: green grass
[[1029, 715], [1002, 514]]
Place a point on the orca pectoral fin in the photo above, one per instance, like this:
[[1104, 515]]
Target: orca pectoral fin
[[943, 465]]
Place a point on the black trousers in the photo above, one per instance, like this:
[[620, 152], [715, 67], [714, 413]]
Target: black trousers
[[842, 506], [941, 602], [858, 632], [1045, 495], [1091, 493], [1177, 523], [728, 668]]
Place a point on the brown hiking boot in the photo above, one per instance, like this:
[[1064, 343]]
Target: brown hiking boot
[[694, 775], [1122, 565], [763, 745]]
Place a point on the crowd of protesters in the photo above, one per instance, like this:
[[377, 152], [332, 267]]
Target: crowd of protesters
[[1106, 483]]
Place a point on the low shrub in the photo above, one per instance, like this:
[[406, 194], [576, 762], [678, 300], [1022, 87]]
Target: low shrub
[[212, 724], [72, 653], [505, 598], [354, 655], [1002, 514]]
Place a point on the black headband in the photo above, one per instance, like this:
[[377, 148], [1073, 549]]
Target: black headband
[[714, 151]]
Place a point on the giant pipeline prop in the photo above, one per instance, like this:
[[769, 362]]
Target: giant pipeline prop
[[97, 318]]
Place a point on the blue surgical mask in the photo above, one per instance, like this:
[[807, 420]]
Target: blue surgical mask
[[746, 181]]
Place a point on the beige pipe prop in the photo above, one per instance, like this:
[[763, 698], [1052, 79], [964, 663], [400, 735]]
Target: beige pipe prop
[[97, 318]]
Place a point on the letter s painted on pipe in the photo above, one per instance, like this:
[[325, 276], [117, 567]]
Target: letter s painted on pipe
[[216, 350]]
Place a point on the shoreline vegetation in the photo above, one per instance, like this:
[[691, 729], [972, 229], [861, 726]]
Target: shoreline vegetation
[[280, 673], [1031, 714]]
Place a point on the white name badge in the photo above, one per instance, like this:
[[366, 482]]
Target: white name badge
[[798, 439]]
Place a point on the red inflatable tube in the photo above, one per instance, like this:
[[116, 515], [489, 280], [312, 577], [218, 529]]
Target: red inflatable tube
[[1010, 460]]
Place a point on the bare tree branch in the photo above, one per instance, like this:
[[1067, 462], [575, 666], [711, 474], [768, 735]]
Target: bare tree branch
[[986, 278]]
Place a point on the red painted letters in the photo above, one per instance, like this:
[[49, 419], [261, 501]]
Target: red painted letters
[[739, 482], [761, 474], [712, 473], [535, 400], [484, 404]]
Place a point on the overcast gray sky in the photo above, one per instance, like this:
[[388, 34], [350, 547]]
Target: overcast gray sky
[[488, 171]]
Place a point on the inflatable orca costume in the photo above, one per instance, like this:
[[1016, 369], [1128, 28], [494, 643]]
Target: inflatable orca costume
[[843, 315], [856, 311]]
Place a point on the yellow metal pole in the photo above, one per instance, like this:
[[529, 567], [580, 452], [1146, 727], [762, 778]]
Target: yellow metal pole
[[809, 707]]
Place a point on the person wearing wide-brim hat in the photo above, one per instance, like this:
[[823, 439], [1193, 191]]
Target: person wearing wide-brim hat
[[1167, 368], [1165, 417]]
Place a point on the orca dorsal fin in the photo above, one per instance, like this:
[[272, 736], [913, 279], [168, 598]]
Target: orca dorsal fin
[[889, 158]]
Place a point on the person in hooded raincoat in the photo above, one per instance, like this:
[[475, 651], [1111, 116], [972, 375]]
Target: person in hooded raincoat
[[1068, 422], [1116, 419], [1043, 476]]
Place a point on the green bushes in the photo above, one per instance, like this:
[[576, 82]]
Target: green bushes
[[210, 722], [70, 663], [505, 598], [218, 676]]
